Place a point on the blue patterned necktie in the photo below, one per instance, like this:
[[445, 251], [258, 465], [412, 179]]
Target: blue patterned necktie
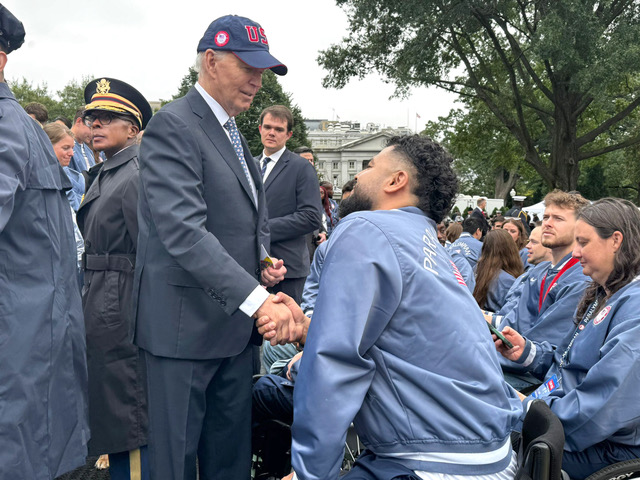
[[232, 128], [265, 162]]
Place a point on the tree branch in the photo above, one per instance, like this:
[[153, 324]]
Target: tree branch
[[610, 148], [584, 104], [604, 126], [524, 131], [515, 46]]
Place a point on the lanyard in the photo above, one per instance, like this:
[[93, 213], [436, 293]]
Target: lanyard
[[581, 326], [570, 263], [86, 160]]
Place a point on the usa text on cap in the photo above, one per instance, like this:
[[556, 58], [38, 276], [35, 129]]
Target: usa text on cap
[[245, 38]]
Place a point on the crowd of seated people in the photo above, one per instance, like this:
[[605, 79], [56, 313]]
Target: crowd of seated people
[[373, 342], [569, 307]]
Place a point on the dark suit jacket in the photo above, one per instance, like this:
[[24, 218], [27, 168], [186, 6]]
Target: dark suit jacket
[[478, 215], [199, 236], [293, 202]]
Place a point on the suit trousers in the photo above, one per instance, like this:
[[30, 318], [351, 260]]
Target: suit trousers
[[200, 408], [292, 287]]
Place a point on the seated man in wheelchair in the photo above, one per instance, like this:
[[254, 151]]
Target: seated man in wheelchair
[[273, 393], [398, 345], [593, 384]]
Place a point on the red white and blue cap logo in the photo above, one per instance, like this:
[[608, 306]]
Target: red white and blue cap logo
[[221, 38], [602, 315]]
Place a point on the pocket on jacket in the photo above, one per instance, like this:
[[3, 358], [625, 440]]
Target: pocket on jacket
[[112, 314], [179, 277]]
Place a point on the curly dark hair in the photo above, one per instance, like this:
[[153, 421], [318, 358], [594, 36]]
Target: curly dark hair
[[435, 184], [607, 216]]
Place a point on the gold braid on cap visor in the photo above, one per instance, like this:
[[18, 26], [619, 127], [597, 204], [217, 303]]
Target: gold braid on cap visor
[[114, 103]]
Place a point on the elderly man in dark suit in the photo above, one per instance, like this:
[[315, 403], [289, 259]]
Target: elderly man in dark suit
[[202, 225], [291, 188]]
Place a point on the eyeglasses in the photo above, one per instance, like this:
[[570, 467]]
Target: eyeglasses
[[105, 118]]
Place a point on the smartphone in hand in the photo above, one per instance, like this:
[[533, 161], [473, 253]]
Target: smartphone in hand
[[498, 334]]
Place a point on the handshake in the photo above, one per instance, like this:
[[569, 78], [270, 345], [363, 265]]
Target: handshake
[[280, 320]]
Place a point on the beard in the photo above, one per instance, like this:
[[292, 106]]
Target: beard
[[557, 242], [356, 202]]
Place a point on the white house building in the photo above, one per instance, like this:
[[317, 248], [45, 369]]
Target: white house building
[[343, 149]]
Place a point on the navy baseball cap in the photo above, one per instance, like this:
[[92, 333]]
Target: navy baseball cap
[[245, 38], [11, 31]]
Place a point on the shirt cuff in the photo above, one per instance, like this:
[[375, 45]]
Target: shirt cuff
[[528, 354], [254, 301]]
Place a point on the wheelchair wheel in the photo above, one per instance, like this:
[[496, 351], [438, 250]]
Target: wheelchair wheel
[[618, 471]]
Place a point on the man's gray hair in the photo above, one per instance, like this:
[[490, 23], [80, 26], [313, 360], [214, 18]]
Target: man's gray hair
[[200, 58]]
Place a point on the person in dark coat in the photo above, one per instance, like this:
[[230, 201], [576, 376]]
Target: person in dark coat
[[43, 370], [517, 212], [107, 218], [478, 214]]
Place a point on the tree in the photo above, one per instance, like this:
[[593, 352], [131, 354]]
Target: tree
[[270, 94], [26, 93], [71, 97], [557, 74], [489, 161]]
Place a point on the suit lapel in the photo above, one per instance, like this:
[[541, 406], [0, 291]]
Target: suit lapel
[[279, 167], [216, 134]]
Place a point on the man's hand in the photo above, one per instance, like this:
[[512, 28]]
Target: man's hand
[[279, 318], [288, 477], [273, 275], [322, 237], [295, 358], [516, 339], [267, 327]]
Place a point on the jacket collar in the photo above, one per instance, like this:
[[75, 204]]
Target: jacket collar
[[5, 91], [280, 165], [122, 157]]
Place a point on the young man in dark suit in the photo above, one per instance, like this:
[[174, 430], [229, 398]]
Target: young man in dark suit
[[198, 280], [291, 188]]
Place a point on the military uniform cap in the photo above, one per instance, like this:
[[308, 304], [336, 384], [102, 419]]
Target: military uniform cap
[[11, 31], [119, 97], [245, 38]]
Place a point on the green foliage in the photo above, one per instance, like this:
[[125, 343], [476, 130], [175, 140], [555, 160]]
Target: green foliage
[[489, 160], [188, 81], [64, 103], [560, 77], [270, 94]]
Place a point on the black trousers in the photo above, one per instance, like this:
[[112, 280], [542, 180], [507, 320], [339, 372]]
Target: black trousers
[[200, 409]]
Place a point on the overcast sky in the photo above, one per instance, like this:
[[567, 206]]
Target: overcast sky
[[151, 45]]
